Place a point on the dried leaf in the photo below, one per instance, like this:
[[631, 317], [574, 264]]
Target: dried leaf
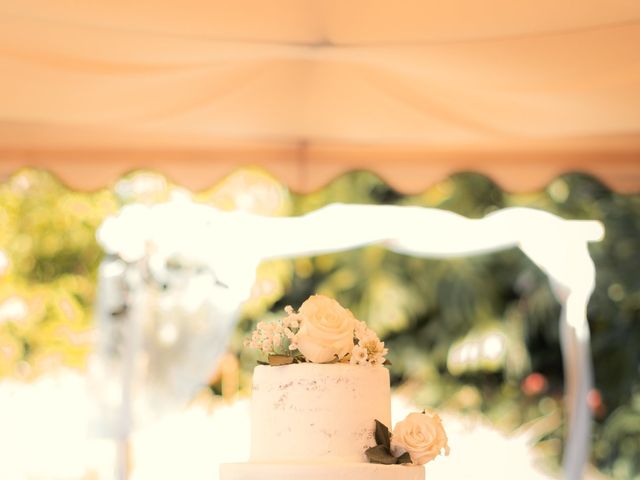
[[382, 435], [277, 360], [380, 454], [404, 458]]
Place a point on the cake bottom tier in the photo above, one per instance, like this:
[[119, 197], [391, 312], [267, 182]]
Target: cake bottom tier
[[319, 471]]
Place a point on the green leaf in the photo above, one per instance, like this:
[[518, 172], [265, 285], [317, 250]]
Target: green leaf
[[404, 458], [380, 454], [383, 437], [277, 360]]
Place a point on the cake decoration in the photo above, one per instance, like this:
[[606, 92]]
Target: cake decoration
[[322, 331], [323, 412], [417, 439], [381, 453]]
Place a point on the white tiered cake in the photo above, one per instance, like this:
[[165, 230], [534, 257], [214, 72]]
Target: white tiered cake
[[315, 421], [321, 408]]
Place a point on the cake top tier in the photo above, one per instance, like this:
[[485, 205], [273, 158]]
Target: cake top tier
[[335, 409], [317, 412], [322, 331]]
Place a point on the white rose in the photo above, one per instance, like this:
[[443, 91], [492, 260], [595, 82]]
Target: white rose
[[326, 330], [422, 435]]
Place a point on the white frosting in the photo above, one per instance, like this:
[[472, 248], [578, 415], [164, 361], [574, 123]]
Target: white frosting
[[317, 412], [319, 471]]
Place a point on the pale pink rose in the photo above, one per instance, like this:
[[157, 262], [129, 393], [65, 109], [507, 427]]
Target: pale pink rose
[[326, 330], [422, 435]]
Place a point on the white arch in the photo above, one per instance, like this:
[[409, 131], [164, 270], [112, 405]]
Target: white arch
[[230, 246]]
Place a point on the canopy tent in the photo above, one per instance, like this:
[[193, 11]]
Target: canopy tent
[[413, 90]]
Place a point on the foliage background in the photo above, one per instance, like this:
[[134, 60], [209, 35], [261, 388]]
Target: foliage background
[[428, 311]]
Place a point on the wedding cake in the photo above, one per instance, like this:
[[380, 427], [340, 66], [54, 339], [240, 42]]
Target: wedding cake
[[321, 404]]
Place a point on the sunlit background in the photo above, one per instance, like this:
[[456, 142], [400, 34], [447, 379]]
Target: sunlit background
[[121, 339], [475, 337]]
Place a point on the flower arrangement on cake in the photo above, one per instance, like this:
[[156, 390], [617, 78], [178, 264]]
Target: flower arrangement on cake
[[324, 332], [417, 439]]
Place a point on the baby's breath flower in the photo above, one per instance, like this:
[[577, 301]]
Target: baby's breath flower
[[292, 320], [270, 327]]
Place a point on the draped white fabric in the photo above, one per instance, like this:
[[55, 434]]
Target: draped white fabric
[[463, 75]]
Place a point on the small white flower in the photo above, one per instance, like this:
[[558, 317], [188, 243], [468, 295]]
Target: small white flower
[[369, 338], [376, 359], [292, 320], [369, 341], [358, 356], [277, 340], [373, 345], [360, 329]]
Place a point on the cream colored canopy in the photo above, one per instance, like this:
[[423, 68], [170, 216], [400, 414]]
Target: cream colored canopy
[[414, 90]]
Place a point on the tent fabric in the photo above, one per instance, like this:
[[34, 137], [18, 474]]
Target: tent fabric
[[324, 81]]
